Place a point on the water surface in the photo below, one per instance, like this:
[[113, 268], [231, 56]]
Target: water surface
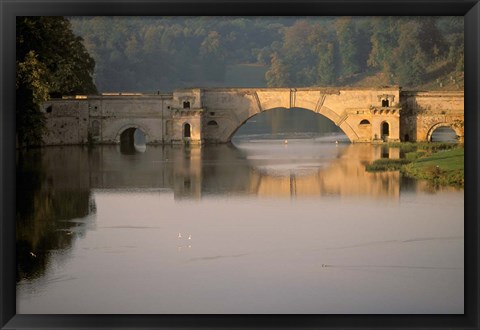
[[263, 226]]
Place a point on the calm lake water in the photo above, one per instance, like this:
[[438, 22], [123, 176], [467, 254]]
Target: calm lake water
[[262, 226]]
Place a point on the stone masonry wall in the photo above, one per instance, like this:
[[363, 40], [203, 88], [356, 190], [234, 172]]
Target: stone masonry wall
[[425, 111], [66, 122], [365, 115]]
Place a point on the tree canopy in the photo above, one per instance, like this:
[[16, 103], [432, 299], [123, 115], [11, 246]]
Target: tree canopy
[[50, 61]]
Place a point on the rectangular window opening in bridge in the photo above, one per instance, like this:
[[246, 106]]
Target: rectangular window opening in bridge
[[186, 105], [385, 103]]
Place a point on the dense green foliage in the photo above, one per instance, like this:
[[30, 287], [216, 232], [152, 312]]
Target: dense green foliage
[[151, 53], [401, 48], [50, 61], [163, 53], [387, 164]]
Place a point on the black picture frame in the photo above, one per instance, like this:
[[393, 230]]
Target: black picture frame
[[10, 9]]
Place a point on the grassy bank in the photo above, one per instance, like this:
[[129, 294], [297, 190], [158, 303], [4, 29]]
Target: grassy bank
[[439, 163], [441, 168]]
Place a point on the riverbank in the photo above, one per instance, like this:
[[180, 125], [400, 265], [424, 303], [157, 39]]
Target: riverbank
[[439, 163]]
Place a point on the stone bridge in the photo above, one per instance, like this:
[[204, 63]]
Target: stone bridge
[[213, 115]]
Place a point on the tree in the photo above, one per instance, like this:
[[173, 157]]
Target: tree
[[278, 74], [324, 45], [298, 52], [409, 58], [452, 28], [384, 40], [326, 67], [213, 56], [50, 61], [432, 42], [348, 46]]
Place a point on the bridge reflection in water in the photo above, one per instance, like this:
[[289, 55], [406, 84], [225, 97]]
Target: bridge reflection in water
[[328, 170], [262, 169]]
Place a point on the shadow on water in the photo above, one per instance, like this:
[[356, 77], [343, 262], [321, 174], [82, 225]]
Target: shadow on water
[[45, 202]]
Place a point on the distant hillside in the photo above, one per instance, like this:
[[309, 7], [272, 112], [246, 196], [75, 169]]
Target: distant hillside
[[164, 53], [440, 77]]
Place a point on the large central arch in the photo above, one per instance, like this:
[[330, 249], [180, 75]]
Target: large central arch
[[346, 108], [348, 129]]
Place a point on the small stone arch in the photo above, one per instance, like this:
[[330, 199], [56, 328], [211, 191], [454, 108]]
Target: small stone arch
[[443, 124], [135, 126], [212, 124], [364, 130]]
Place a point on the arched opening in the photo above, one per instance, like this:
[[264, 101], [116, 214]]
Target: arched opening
[[212, 124], [443, 134], [364, 131], [187, 130], [132, 140], [186, 104], [385, 130], [286, 124]]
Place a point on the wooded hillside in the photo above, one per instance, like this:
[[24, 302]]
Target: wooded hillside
[[164, 53]]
